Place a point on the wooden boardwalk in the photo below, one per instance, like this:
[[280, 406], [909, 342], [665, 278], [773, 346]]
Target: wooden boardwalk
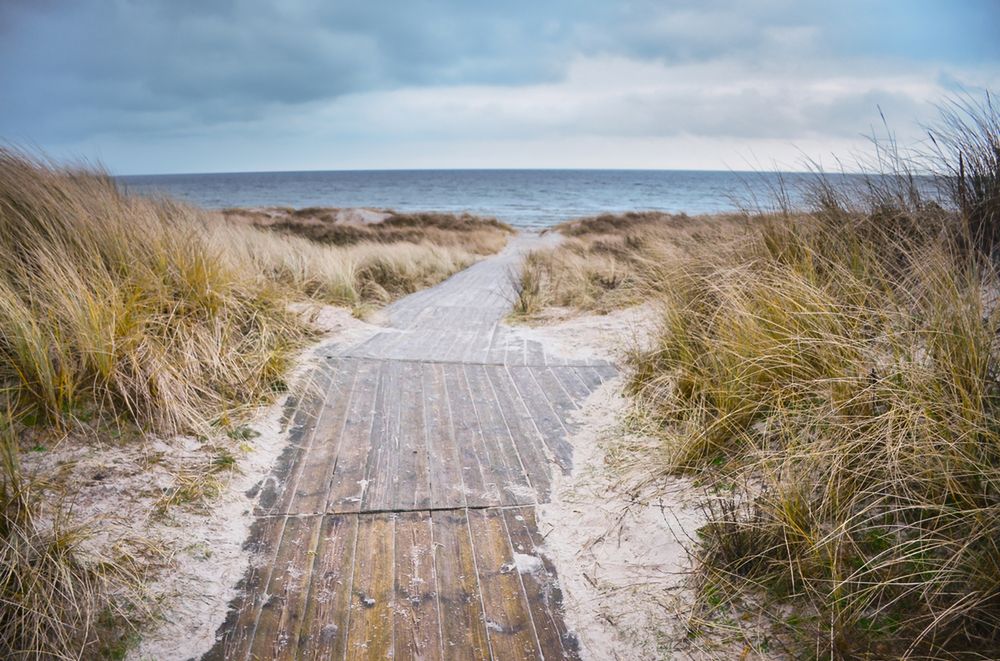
[[400, 521]]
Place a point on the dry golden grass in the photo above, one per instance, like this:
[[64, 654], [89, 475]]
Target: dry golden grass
[[480, 236], [836, 385], [159, 310], [612, 261], [127, 306], [352, 275]]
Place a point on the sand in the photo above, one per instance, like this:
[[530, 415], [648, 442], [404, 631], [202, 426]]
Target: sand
[[265, 216], [588, 336], [619, 547]]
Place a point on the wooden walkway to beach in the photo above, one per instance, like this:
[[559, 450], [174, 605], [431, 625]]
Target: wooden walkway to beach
[[400, 521]]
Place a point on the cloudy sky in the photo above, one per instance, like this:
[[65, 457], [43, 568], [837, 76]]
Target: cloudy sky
[[154, 86]]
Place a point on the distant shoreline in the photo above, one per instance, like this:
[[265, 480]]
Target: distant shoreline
[[526, 199]]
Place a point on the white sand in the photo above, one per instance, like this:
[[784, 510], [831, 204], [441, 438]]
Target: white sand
[[619, 535], [593, 336], [361, 215], [619, 548], [191, 553]]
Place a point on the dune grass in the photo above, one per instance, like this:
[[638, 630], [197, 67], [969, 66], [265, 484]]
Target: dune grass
[[611, 261], [158, 310], [354, 275], [844, 409], [124, 316], [831, 377], [480, 236], [58, 601]]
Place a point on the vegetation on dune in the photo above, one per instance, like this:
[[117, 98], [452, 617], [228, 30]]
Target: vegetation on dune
[[831, 376], [56, 601], [120, 312], [854, 402], [612, 261], [355, 275], [159, 310], [481, 236], [126, 305]]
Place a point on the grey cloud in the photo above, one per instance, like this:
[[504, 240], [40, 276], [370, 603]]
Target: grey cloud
[[154, 57], [77, 71]]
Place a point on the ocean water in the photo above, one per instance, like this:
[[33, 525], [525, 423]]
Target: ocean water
[[524, 198]]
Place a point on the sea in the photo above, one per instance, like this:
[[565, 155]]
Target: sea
[[528, 199]]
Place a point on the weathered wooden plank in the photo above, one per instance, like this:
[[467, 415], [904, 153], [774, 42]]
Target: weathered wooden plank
[[541, 586], [413, 486], [324, 631], [447, 486], [463, 626], [236, 634], [508, 621], [464, 337], [277, 632], [277, 490], [607, 371], [311, 485], [589, 376], [534, 353], [497, 347], [437, 345], [479, 482], [383, 457], [504, 461], [516, 352], [543, 415], [481, 327], [369, 633], [347, 480], [416, 624], [574, 386], [523, 432], [559, 399]]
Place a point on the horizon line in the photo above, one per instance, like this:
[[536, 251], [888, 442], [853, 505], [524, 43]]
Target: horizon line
[[482, 169]]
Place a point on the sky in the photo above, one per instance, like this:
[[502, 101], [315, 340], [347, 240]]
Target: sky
[[162, 86]]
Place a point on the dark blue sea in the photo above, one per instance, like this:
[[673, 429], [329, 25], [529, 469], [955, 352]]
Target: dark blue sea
[[523, 198]]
